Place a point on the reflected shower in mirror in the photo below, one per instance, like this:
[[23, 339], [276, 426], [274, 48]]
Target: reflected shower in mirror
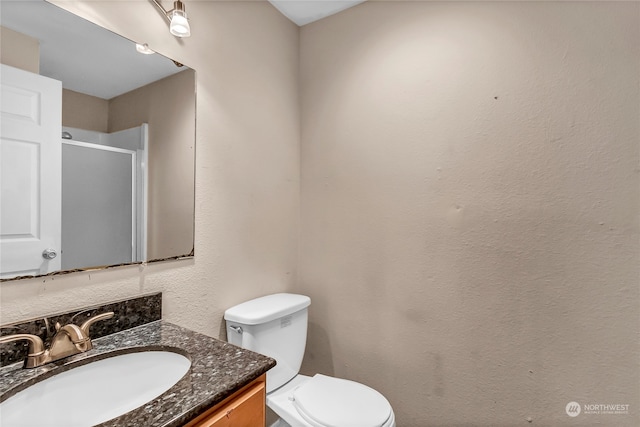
[[98, 147]]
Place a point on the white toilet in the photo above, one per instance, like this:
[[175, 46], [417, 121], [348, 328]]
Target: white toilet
[[276, 326]]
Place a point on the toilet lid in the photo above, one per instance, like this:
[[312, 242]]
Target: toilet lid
[[333, 402]]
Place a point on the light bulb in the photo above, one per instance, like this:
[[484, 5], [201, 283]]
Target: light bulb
[[144, 48], [179, 26]]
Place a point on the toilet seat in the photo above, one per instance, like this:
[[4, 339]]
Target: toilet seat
[[333, 402]]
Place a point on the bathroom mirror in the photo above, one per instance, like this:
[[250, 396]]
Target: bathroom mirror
[[118, 185]]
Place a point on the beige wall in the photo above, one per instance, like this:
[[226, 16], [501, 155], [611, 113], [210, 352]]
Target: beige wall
[[470, 206], [19, 50], [168, 106], [84, 111], [247, 168]]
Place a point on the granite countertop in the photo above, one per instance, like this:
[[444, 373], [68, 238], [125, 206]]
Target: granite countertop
[[217, 370]]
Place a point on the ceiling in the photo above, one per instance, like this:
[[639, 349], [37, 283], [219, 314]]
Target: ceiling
[[306, 11], [85, 57]]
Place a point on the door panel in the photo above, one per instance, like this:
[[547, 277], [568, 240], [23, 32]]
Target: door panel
[[30, 175]]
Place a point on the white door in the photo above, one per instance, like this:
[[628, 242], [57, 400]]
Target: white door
[[30, 174]]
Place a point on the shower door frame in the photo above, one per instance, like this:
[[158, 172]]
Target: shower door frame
[[138, 200]]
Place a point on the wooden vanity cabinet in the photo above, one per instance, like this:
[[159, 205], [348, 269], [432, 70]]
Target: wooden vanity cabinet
[[244, 408]]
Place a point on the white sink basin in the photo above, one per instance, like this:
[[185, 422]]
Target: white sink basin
[[96, 392]]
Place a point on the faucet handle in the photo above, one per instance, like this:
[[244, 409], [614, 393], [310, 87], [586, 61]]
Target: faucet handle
[[86, 325], [36, 348]]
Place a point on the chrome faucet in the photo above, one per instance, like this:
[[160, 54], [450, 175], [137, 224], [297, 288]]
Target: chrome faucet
[[69, 340]]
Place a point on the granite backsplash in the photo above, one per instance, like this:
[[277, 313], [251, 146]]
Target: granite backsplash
[[127, 314]]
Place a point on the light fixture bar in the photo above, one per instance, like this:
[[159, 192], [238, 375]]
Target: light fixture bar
[[165, 13]]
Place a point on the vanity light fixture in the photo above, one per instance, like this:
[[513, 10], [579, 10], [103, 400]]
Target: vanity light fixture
[[177, 17], [144, 48]]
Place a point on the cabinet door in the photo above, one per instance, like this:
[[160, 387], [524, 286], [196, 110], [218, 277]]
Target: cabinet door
[[245, 410]]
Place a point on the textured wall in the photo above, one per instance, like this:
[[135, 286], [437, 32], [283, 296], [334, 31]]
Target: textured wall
[[470, 209], [247, 144]]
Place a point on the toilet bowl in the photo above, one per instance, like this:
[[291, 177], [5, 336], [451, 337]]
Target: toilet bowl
[[322, 401], [276, 326]]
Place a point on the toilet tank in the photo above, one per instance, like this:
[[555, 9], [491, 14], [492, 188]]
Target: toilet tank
[[273, 325]]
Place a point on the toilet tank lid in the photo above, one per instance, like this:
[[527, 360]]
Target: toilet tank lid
[[267, 308]]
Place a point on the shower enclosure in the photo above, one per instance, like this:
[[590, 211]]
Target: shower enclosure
[[103, 197]]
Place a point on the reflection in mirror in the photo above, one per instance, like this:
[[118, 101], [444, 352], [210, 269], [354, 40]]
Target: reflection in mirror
[[97, 147]]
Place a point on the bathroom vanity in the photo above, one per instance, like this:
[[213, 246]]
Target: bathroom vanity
[[224, 386]]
